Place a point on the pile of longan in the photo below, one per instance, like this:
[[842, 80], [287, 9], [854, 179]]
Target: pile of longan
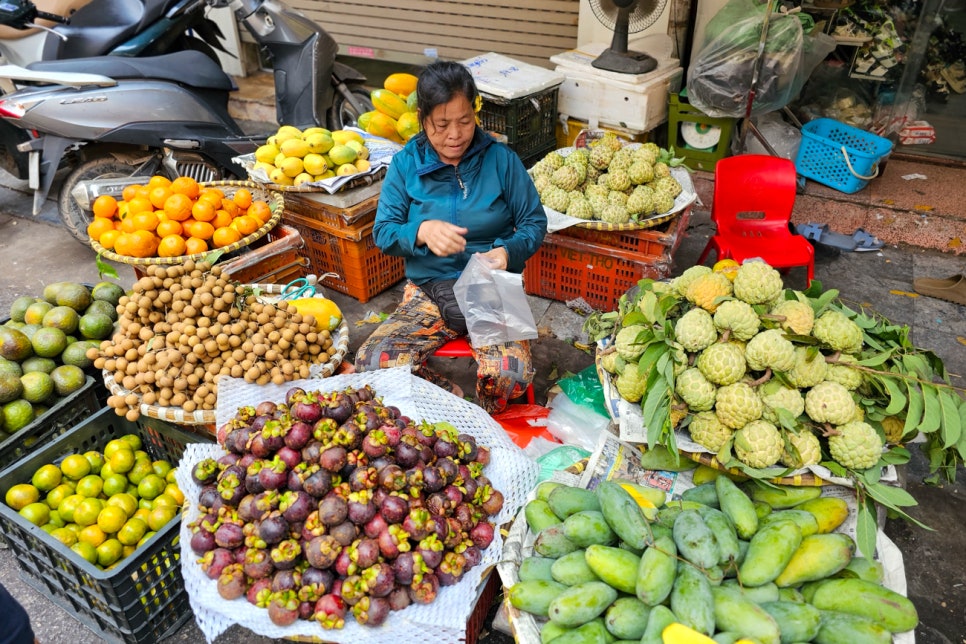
[[184, 326]]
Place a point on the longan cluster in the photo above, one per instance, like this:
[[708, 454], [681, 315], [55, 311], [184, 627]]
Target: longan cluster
[[184, 326]]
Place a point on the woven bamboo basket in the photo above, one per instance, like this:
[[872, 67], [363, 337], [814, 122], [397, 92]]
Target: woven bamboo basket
[[276, 203]]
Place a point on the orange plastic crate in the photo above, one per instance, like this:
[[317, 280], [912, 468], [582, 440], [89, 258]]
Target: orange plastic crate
[[363, 270], [567, 268], [653, 244]]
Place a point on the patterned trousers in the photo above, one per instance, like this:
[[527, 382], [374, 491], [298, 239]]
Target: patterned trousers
[[411, 334]]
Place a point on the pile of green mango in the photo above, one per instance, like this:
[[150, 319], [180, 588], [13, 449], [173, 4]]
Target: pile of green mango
[[721, 565]]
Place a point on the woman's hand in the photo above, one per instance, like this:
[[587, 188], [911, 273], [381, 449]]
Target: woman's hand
[[442, 238], [497, 258]]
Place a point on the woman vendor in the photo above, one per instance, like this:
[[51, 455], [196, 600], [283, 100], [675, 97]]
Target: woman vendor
[[451, 192]]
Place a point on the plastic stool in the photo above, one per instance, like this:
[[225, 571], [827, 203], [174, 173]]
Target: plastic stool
[[460, 348]]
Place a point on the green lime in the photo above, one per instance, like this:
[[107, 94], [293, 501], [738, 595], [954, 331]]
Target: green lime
[[85, 551], [96, 326], [21, 495], [37, 386], [67, 379], [108, 292], [75, 466], [19, 307], [49, 342], [9, 366], [17, 415], [114, 484], [63, 318], [35, 312], [109, 552], [10, 387], [76, 354], [56, 496], [134, 441], [90, 486], [65, 535], [37, 513], [102, 306], [29, 330], [36, 363], [68, 506], [96, 459], [74, 295], [14, 344], [47, 477], [50, 292]]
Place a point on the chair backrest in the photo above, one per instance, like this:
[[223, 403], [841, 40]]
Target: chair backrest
[[752, 192]]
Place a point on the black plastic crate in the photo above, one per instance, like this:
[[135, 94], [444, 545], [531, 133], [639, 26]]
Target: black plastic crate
[[530, 160], [528, 122], [142, 599], [64, 414]]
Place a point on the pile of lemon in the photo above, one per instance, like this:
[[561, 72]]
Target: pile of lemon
[[102, 505], [291, 156]]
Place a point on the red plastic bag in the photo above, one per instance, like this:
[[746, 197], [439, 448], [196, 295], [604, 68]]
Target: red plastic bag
[[523, 422]]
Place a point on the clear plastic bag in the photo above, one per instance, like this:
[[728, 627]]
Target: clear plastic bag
[[494, 304]]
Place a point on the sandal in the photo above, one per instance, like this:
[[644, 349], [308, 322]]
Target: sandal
[[820, 234], [864, 242], [952, 289]]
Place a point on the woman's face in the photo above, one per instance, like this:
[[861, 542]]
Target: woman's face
[[450, 127]]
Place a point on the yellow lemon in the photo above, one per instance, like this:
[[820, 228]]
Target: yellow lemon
[[291, 167], [319, 142], [294, 148], [266, 153], [314, 163]]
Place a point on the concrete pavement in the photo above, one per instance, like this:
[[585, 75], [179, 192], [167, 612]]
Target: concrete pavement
[[36, 251]]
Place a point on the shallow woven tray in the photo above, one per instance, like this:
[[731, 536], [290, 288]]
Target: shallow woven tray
[[363, 179], [650, 222], [340, 347], [276, 203]]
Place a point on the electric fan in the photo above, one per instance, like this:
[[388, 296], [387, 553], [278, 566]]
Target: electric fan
[[626, 17]]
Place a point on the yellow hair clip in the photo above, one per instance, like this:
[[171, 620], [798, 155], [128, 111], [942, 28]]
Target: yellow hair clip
[[478, 103]]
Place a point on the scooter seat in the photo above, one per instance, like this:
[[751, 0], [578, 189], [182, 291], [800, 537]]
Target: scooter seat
[[189, 67]]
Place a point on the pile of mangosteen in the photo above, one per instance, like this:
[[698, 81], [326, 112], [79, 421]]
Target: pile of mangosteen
[[335, 502]]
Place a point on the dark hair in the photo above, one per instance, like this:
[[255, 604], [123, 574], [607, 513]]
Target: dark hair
[[440, 82]]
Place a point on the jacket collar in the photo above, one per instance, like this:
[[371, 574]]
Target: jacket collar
[[428, 161]]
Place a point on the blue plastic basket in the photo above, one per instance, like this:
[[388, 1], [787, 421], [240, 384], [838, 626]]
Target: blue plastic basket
[[839, 155]]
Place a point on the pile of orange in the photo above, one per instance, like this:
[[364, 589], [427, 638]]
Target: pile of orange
[[166, 218]]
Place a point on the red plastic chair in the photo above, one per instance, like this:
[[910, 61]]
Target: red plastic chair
[[753, 199], [460, 348]]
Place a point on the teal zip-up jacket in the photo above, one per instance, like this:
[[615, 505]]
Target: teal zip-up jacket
[[489, 193]]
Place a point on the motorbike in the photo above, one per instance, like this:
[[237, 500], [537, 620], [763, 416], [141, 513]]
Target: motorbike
[[113, 117], [83, 28]]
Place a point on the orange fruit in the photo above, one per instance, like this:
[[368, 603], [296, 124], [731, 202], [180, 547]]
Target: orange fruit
[[131, 191], [159, 180], [203, 210], [169, 227], [260, 210], [98, 227], [144, 220], [86, 551], [186, 186], [139, 204], [222, 219], [159, 195], [199, 229], [145, 243], [242, 198], [104, 206], [224, 236], [193, 245], [109, 238], [92, 534], [212, 193], [111, 518], [75, 467], [109, 552], [171, 246], [177, 207], [231, 207], [246, 224], [132, 531], [21, 495]]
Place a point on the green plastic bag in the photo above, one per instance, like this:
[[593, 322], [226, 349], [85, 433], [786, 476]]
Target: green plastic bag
[[559, 458], [584, 388]]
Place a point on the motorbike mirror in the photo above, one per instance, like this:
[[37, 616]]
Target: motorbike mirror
[[85, 192]]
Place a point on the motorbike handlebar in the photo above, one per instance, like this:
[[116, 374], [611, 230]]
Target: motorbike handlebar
[[52, 17]]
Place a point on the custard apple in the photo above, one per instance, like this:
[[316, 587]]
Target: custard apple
[[683, 281], [615, 214], [541, 169], [541, 182], [608, 361], [807, 450], [695, 390], [723, 363], [627, 344], [617, 197], [596, 190], [661, 169], [579, 157], [592, 174], [630, 383], [641, 201], [893, 427], [695, 330], [640, 172], [600, 156], [646, 154], [737, 404], [565, 177], [621, 160], [840, 372], [704, 290], [554, 160], [808, 371], [597, 205], [738, 318], [602, 179], [757, 283], [838, 331], [770, 350], [555, 198], [668, 184], [830, 402], [775, 395], [707, 431], [618, 179], [580, 208], [799, 316], [759, 444], [856, 445], [663, 202]]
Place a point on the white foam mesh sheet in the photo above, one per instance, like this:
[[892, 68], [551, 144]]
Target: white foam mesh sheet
[[441, 622]]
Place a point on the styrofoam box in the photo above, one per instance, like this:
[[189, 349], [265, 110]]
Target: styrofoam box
[[581, 60], [601, 101], [502, 76]]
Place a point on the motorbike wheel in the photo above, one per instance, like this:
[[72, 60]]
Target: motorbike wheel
[[342, 114], [72, 215]]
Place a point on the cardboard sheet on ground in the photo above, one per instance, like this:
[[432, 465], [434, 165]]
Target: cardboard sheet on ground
[[614, 458], [444, 620]]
